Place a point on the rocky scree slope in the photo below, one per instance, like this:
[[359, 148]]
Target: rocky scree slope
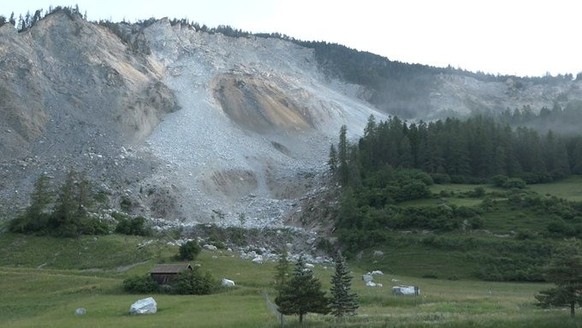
[[196, 127], [188, 125]]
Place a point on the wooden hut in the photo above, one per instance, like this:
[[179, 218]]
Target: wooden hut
[[164, 274]]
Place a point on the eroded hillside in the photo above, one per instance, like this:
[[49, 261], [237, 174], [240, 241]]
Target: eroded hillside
[[187, 126], [182, 124]]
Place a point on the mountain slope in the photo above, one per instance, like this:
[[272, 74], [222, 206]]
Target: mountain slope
[[254, 115], [177, 123]]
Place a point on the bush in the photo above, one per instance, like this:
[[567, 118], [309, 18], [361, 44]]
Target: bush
[[194, 283], [131, 226], [514, 183], [125, 204], [498, 180], [140, 284], [478, 192], [93, 226], [476, 222], [465, 212], [189, 251], [440, 178]]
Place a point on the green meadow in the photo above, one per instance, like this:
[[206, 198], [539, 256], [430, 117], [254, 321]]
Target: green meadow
[[44, 279]]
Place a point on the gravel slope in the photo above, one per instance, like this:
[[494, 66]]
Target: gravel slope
[[218, 165]]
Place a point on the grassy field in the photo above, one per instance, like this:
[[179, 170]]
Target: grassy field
[[44, 279], [570, 188], [51, 280]]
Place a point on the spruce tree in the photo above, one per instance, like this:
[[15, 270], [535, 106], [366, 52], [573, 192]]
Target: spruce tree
[[282, 271], [332, 162], [342, 156], [565, 270], [64, 220], [302, 294], [343, 302], [36, 217], [41, 199]]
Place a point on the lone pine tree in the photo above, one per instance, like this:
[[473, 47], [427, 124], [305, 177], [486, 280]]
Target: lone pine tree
[[302, 293], [565, 271], [343, 301]]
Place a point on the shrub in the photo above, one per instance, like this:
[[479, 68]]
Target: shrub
[[465, 212], [440, 178], [457, 179], [514, 183], [498, 180], [478, 192], [93, 226], [125, 204], [131, 226], [189, 250], [476, 222], [140, 284], [194, 283]]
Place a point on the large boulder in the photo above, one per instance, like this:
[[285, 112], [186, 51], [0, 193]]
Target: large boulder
[[144, 306], [367, 278], [406, 290], [227, 283]]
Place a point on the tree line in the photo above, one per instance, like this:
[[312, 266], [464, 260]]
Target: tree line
[[69, 210], [469, 151], [558, 118], [67, 215], [29, 20]]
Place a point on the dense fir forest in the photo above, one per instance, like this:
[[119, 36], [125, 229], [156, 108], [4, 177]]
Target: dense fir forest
[[459, 151]]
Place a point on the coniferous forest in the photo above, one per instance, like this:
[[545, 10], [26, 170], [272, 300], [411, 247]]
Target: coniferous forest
[[395, 162], [460, 151]]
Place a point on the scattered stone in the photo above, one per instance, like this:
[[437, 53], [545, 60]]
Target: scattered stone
[[367, 278], [370, 284], [406, 290], [258, 259], [210, 247]]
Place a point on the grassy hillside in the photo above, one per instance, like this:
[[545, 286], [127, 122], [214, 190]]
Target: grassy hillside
[[47, 280], [501, 235]]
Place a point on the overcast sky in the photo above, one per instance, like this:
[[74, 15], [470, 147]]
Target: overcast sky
[[495, 36]]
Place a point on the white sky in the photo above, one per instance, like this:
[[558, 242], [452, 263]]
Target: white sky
[[495, 36]]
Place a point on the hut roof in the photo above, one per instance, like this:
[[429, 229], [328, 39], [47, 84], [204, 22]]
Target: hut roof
[[171, 268]]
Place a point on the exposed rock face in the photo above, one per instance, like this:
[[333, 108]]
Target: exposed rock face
[[260, 106], [180, 124]]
